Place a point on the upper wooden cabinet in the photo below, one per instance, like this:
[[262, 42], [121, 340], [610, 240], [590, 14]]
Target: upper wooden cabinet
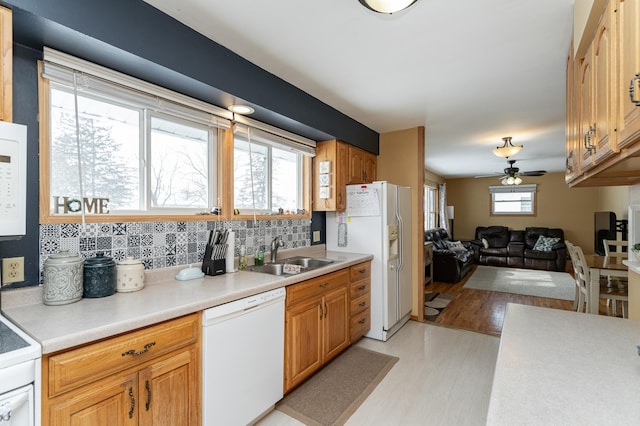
[[6, 65], [603, 121], [336, 165]]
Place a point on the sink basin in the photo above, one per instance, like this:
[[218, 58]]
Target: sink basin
[[268, 268], [305, 264]]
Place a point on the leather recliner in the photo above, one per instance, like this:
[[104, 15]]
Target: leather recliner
[[448, 266]]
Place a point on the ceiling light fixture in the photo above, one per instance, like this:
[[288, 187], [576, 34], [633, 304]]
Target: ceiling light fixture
[[508, 149], [241, 109], [511, 180], [387, 6]]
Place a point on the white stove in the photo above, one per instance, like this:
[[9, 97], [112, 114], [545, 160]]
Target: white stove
[[19, 376]]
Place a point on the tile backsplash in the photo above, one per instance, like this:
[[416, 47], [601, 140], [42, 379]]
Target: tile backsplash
[[165, 244]]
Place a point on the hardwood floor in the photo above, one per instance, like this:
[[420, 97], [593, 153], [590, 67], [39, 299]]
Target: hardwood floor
[[483, 311]]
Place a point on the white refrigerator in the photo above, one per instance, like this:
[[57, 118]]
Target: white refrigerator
[[378, 221]]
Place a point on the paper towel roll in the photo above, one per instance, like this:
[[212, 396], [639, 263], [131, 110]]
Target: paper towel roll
[[231, 249]]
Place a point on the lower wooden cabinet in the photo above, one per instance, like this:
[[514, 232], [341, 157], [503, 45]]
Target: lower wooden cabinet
[[323, 316], [148, 386], [316, 325]]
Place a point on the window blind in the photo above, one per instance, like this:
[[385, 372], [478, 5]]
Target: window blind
[[273, 136], [513, 189]]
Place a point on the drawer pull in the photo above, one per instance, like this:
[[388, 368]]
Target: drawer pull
[[143, 351], [362, 321], [362, 271], [133, 402], [362, 304], [362, 287], [324, 285], [146, 385]]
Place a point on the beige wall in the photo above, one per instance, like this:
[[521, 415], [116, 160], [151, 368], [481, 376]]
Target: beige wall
[[557, 205], [401, 161]]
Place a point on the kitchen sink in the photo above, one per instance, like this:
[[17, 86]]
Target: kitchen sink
[[305, 263]]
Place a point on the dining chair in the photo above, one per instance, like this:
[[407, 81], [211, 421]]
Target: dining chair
[[614, 248], [581, 271], [581, 279]]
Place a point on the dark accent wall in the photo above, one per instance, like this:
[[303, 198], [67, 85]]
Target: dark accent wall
[[132, 37]]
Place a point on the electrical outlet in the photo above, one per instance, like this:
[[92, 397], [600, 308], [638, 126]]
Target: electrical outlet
[[12, 270], [316, 236]]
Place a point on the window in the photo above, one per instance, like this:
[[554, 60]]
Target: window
[[430, 207], [268, 170], [122, 146], [513, 200]]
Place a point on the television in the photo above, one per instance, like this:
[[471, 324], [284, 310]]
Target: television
[[604, 224]]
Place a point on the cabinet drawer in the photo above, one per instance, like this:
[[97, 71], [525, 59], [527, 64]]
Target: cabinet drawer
[[360, 288], [316, 286], [360, 304], [360, 324], [360, 271], [86, 364]]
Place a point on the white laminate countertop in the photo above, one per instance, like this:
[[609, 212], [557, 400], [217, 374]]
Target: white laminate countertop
[[559, 367], [61, 327]]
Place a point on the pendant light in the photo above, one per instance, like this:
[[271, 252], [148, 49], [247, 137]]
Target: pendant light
[[508, 149], [387, 6]]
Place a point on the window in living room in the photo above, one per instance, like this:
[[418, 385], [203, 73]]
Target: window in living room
[[518, 200], [430, 206]]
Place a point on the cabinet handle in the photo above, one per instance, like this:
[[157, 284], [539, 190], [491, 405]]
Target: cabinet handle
[[587, 139], [325, 309], [136, 353], [323, 285], [362, 321], [321, 311], [632, 89], [362, 271], [146, 385], [362, 287], [362, 304], [133, 402], [339, 197]]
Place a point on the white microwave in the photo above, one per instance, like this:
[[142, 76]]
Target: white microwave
[[13, 179]]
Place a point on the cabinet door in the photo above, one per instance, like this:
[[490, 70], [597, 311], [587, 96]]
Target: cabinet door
[[6, 65], [585, 110], [370, 167], [169, 390], [335, 323], [603, 76], [571, 147], [303, 341], [628, 30], [342, 172], [108, 402], [356, 165]]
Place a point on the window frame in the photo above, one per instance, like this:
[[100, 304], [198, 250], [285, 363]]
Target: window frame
[[528, 189], [434, 189], [223, 155]]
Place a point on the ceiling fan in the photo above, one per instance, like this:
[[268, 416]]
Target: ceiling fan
[[512, 175]]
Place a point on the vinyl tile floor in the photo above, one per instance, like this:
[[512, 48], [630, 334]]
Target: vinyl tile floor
[[443, 377]]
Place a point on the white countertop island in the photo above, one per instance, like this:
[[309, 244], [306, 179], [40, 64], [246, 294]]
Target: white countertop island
[[565, 368]]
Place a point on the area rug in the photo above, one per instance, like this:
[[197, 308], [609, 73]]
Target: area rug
[[334, 393], [434, 304], [530, 282]]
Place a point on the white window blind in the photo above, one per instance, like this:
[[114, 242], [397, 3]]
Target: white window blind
[[513, 189], [272, 136]]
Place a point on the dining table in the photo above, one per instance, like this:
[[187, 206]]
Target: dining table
[[602, 266]]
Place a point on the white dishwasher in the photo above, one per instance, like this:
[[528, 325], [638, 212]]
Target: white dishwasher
[[242, 358]]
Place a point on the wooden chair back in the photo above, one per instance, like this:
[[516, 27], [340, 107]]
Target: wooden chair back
[[617, 246]]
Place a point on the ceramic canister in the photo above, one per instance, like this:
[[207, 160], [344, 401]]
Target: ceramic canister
[[62, 278], [130, 275], [99, 276]]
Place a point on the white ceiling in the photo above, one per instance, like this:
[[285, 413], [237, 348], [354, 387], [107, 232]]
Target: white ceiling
[[470, 71]]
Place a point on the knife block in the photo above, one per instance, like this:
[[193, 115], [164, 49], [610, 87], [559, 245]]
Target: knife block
[[214, 262]]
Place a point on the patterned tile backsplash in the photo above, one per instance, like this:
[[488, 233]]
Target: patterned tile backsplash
[[165, 244]]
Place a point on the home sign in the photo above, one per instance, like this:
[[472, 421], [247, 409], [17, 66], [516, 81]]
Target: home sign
[[66, 205]]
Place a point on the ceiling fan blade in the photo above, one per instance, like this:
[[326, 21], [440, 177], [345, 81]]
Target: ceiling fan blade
[[533, 173], [488, 176]]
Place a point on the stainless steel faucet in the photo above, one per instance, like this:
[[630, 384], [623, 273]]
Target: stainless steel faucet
[[276, 243]]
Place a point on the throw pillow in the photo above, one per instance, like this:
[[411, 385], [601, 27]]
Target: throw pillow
[[545, 243], [485, 243], [456, 246]]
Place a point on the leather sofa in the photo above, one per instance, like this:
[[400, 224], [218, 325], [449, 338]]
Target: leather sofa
[[499, 246], [449, 266]]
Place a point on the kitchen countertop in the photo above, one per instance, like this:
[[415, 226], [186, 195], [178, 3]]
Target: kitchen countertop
[[163, 298], [563, 367]]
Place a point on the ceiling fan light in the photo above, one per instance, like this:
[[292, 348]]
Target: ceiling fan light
[[504, 181], [517, 181], [508, 149], [511, 180], [387, 6]]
